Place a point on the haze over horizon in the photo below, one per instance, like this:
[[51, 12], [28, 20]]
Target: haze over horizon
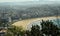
[[2, 1], [22, 2]]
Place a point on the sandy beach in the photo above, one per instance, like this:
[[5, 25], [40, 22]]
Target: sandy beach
[[26, 22]]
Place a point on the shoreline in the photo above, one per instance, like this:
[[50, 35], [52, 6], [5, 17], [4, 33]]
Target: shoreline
[[26, 22], [42, 17]]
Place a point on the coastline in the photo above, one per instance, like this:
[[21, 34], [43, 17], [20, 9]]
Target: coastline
[[24, 23]]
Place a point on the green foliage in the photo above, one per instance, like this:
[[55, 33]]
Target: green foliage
[[28, 33], [15, 31], [35, 30], [49, 28]]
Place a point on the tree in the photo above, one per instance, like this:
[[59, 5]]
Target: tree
[[35, 30], [49, 28], [28, 33]]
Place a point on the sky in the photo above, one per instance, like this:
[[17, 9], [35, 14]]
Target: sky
[[16, 0], [25, 0]]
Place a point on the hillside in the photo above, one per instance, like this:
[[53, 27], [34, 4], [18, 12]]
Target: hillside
[[26, 12]]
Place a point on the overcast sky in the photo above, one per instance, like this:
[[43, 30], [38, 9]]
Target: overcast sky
[[25, 0]]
